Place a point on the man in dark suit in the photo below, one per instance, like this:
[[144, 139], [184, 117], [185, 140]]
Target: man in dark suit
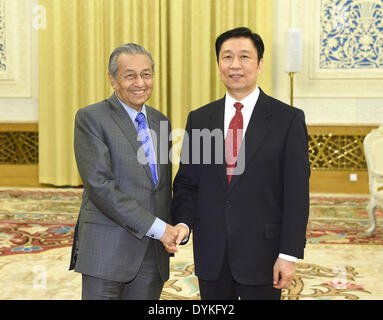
[[127, 191], [249, 212]]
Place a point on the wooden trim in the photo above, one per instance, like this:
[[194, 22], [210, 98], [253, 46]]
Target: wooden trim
[[321, 181], [341, 129], [337, 180], [334, 181], [19, 175], [17, 127]]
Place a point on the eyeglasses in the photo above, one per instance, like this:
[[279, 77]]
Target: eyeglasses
[[146, 75]]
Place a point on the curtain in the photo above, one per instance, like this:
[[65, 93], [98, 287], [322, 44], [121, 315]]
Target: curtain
[[75, 46]]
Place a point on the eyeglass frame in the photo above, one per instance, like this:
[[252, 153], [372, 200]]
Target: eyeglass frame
[[144, 75]]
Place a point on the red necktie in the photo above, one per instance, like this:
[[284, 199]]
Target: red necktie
[[233, 140]]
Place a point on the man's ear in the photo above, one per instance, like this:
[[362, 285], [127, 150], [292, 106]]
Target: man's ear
[[111, 79], [260, 65]]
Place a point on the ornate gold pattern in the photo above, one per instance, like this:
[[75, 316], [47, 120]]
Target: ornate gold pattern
[[180, 273], [339, 152], [326, 151], [18, 147], [335, 287]]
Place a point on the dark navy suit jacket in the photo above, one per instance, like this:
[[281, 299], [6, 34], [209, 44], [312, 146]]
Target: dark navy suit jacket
[[263, 211]]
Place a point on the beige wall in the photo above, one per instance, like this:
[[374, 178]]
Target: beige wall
[[333, 96], [19, 82], [326, 97]]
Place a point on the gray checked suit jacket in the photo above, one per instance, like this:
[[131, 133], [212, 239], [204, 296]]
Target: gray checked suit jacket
[[120, 202]]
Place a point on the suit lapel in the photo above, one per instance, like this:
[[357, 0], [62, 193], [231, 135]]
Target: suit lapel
[[123, 120], [256, 132], [216, 117]]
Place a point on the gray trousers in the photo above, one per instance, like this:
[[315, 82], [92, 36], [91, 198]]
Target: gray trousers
[[147, 285]]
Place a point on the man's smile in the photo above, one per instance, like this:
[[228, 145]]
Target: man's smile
[[138, 91], [235, 76]]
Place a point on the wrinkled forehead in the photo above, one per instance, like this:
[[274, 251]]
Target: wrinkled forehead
[[128, 62]]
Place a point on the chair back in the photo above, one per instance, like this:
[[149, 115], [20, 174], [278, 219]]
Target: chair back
[[373, 151]]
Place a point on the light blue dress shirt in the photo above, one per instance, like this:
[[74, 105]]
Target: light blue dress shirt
[[157, 229]]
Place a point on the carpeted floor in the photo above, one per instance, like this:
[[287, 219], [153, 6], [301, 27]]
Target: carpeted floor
[[36, 232]]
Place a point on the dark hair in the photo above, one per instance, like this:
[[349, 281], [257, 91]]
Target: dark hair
[[240, 32]]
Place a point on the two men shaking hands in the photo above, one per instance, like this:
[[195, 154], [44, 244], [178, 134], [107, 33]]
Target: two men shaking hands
[[248, 229]]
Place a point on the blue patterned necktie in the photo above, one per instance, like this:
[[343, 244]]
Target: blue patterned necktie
[[143, 134]]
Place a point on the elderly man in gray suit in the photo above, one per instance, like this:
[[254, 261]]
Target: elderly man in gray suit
[[125, 210]]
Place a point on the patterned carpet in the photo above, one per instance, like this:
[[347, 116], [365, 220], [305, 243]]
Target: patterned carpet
[[36, 233]]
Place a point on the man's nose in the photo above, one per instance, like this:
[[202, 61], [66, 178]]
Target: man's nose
[[236, 63], [138, 81]]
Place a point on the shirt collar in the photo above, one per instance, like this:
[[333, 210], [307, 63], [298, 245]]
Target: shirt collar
[[133, 112], [247, 102]]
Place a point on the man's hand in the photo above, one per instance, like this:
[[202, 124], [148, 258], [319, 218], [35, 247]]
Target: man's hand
[[173, 236], [284, 272], [183, 232], [169, 238]]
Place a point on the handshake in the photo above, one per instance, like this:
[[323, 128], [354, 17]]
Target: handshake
[[173, 236]]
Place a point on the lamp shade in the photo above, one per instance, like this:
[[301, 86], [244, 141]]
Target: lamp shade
[[294, 50]]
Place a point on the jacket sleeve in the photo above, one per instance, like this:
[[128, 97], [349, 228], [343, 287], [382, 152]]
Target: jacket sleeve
[[185, 185], [296, 174], [95, 168]]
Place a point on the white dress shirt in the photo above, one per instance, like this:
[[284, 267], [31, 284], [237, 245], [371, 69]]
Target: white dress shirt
[[248, 107]]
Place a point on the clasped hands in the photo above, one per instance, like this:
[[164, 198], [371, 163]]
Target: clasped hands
[[173, 236]]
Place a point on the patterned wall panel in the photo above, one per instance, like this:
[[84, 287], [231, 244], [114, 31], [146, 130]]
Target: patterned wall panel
[[18, 147], [336, 152], [351, 35], [326, 151], [3, 63]]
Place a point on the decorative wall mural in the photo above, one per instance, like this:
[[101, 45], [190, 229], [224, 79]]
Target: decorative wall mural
[[351, 35], [3, 65]]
